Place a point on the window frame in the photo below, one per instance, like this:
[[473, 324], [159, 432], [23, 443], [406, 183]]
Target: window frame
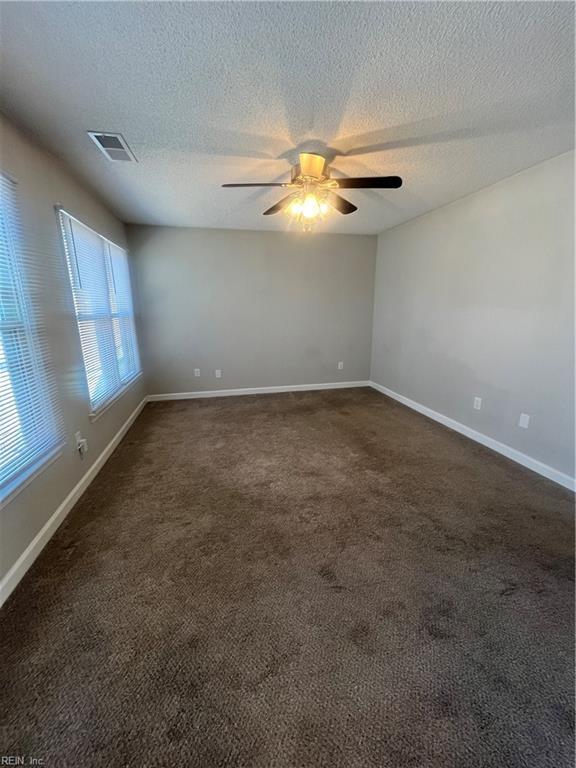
[[80, 316]]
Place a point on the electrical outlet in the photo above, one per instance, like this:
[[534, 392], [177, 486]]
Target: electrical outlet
[[477, 403], [196, 372], [524, 420], [218, 373], [81, 444], [340, 366]]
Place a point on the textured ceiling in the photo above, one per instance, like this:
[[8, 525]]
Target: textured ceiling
[[450, 96]]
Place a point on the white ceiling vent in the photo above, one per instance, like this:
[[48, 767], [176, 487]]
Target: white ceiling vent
[[113, 146]]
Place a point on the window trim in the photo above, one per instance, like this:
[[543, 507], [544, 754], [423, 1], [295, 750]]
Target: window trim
[[95, 413]]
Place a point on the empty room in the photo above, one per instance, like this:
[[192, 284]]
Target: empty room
[[287, 462]]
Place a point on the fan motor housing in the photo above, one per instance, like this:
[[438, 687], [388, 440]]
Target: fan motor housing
[[311, 166]]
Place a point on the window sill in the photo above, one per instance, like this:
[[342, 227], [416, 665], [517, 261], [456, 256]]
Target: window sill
[[95, 415], [9, 493]]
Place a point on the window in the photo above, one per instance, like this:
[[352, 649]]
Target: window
[[100, 280], [30, 419]]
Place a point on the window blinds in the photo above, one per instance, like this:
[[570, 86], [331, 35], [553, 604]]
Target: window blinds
[[100, 280], [30, 418]]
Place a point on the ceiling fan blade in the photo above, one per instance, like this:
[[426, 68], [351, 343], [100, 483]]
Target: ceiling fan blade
[[370, 182], [258, 184], [341, 205], [278, 206]]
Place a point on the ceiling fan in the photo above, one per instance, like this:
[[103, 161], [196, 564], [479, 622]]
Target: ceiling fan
[[314, 192]]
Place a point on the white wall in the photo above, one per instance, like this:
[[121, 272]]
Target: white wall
[[477, 299], [43, 182], [266, 308]]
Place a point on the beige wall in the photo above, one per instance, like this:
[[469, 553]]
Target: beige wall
[[477, 299], [266, 308], [43, 182]]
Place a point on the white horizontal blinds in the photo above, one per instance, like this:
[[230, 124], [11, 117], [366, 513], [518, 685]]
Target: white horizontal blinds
[[87, 256], [101, 288], [123, 314], [30, 417]]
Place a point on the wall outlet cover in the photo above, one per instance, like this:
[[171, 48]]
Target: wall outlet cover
[[524, 420], [81, 444], [477, 403]]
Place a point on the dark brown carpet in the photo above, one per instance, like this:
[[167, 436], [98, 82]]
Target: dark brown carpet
[[300, 580]]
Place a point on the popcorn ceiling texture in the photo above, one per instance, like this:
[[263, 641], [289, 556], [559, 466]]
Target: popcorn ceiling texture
[[310, 580], [451, 96]]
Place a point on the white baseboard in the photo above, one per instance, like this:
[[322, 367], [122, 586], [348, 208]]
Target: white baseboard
[[489, 442], [18, 570], [256, 390]]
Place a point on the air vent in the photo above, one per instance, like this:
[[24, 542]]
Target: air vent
[[113, 146]]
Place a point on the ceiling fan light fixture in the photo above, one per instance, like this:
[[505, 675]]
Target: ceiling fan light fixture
[[310, 207], [307, 208], [295, 208]]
